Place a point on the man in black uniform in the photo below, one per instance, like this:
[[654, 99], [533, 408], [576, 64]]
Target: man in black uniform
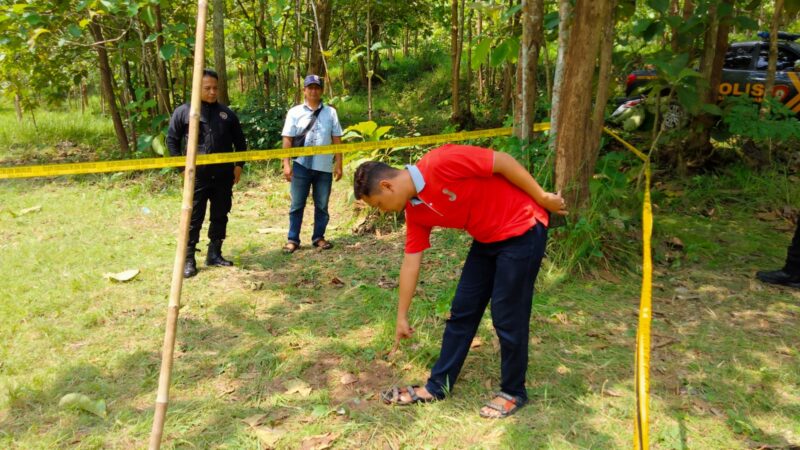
[[790, 274], [220, 132]]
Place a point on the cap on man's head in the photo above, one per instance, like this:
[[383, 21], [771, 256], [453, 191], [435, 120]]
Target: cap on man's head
[[313, 79]]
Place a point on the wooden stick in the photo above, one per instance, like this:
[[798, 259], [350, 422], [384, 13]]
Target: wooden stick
[[162, 398]]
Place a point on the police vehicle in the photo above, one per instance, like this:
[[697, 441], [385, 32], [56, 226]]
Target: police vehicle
[[744, 72]]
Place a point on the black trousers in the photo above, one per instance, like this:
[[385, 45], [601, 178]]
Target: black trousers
[[218, 191], [793, 257], [504, 272]]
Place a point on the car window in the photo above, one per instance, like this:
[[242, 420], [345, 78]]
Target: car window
[[739, 57], [786, 58]]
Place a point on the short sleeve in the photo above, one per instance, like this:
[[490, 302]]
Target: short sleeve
[[336, 127], [456, 162], [289, 125], [418, 237]]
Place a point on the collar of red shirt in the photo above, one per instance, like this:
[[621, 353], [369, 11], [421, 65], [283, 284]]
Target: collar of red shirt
[[419, 183]]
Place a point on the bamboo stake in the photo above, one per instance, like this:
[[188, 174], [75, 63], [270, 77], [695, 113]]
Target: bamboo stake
[[162, 398]]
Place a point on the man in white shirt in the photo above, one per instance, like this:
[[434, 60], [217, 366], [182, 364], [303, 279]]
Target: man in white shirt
[[319, 125]]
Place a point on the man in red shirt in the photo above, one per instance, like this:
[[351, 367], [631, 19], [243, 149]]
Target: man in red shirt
[[492, 197]]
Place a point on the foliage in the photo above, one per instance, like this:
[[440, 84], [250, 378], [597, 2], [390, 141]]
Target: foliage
[[261, 121], [742, 116]]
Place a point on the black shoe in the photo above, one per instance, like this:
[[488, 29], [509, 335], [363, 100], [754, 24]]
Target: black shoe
[[190, 266], [779, 277], [214, 256]]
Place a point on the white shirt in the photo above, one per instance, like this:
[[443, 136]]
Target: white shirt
[[321, 133]]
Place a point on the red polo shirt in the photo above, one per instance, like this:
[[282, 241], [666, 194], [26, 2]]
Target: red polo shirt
[[462, 192]]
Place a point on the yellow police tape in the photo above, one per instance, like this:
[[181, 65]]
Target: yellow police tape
[[52, 170], [642, 370]]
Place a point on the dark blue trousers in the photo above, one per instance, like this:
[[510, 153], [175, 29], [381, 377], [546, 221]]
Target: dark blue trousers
[[793, 255], [504, 272]]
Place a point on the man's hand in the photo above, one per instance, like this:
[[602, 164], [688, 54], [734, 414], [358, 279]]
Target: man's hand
[[402, 331], [237, 174], [287, 172], [337, 171], [554, 203]]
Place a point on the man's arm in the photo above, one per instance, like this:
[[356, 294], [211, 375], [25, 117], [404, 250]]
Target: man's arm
[[287, 162], [337, 159], [176, 132], [507, 166], [409, 274]]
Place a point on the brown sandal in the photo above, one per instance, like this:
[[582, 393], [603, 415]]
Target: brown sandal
[[290, 247], [511, 404], [322, 244], [393, 395]]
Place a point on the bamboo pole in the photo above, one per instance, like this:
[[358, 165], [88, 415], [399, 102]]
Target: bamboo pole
[[162, 398]]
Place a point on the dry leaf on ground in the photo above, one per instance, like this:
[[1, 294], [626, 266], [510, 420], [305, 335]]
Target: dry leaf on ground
[[255, 420], [320, 442], [476, 342], [123, 276], [298, 387], [269, 436], [348, 378]]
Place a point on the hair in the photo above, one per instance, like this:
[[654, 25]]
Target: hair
[[210, 73], [367, 177]]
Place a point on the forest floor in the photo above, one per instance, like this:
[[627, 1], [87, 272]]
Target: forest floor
[[291, 350]]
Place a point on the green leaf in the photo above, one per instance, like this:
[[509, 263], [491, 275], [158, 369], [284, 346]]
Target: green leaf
[[499, 54], [158, 145], [724, 10], [33, 19], [551, 20], [381, 131], [481, 52], [712, 109], [143, 142], [640, 26], [76, 401], [510, 12], [659, 5], [74, 30], [745, 23], [148, 17], [167, 51]]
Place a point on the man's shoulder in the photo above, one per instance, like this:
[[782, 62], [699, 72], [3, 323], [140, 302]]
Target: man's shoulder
[[296, 109]]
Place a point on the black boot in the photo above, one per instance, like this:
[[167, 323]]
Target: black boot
[[190, 267], [214, 256], [779, 277]]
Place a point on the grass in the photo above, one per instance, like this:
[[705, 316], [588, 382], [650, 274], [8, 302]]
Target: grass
[[59, 136], [725, 368]]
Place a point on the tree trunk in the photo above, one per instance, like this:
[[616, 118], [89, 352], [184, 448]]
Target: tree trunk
[[572, 170], [297, 76], [219, 51], [564, 29], [405, 41], [468, 96], [481, 77], [772, 65], [532, 37], [18, 108], [162, 82], [603, 80], [323, 11], [369, 61], [454, 61], [108, 86]]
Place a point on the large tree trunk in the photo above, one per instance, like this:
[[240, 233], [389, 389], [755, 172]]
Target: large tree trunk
[[369, 62], [603, 81], [572, 170], [564, 29], [219, 51], [316, 64], [532, 36], [107, 84]]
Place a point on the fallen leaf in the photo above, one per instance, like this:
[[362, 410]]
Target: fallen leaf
[[336, 281], [609, 276], [675, 243], [320, 442], [272, 230], [75, 400], [563, 370], [488, 384], [348, 378], [269, 436], [383, 283], [476, 342], [611, 393], [22, 212], [536, 340], [255, 420], [298, 387], [122, 277], [562, 317], [769, 216]]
